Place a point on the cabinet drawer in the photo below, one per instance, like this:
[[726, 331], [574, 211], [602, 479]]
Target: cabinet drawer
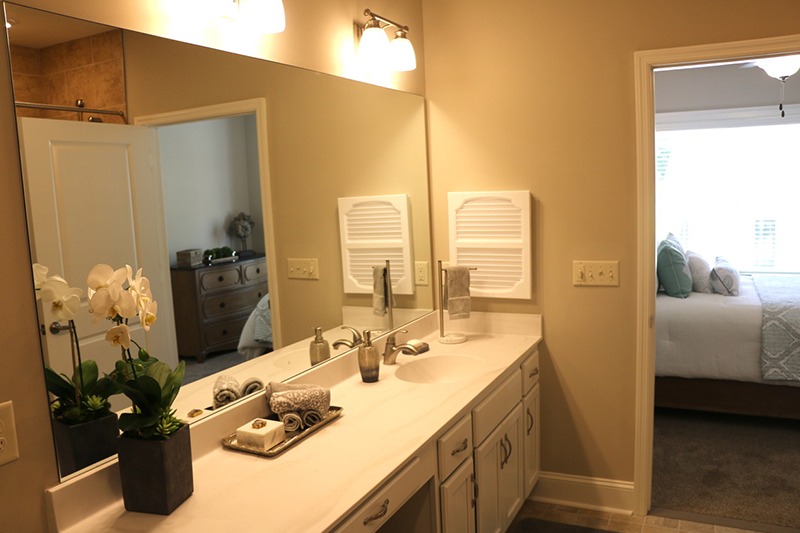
[[530, 372], [224, 332], [494, 408], [220, 277], [391, 496], [255, 272], [228, 303], [455, 446]]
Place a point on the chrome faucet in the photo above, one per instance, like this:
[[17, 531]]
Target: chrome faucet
[[392, 349], [357, 339]]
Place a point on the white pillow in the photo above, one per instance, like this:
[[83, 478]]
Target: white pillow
[[701, 272], [724, 278]]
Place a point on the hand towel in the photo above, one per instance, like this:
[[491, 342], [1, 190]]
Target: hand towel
[[291, 421], [456, 298], [311, 417], [226, 390], [311, 399], [276, 387], [379, 290], [250, 386]]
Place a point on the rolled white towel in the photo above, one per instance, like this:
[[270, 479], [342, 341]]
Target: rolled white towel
[[226, 390], [251, 385]]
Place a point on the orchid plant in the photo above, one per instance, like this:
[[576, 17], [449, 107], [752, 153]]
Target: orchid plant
[[120, 295], [84, 396]]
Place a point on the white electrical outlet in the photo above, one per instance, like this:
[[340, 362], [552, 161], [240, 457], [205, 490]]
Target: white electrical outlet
[[9, 450], [421, 272], [599, 273], [303, 268]]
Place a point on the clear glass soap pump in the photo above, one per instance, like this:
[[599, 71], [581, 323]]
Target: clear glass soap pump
[[319, 350]]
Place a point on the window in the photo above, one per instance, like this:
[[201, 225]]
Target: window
[[731, 192]]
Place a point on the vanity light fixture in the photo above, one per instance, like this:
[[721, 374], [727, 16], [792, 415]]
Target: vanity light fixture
[[780, 68], [264, 16], [374, 48]]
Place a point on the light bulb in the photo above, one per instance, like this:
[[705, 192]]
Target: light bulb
[[779, 67], [374, 45]]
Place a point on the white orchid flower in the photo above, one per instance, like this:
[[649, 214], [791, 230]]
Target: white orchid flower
[[139, 287], [39, 275], [107, 297], [65, 300], [119, 335], [147, 313]]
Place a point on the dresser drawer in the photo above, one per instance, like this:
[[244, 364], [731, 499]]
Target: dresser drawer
[[530, 372], [491, 411], [454, 446], [224, 332], [255, 273], [220, 278], [229, 303]]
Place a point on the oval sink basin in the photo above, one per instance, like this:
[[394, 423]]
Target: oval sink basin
[[440, 369]]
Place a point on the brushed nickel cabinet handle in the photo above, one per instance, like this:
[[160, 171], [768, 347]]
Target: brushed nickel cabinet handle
[[530, 419], [534, 372], [461, 448], [380, 514]]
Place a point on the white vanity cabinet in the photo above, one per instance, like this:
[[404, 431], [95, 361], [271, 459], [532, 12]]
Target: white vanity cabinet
[[497, 432], [457, 491], [530, 420]]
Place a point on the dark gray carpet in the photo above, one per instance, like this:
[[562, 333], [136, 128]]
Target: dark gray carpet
[[214, 363], [745, 468], [543, 526]]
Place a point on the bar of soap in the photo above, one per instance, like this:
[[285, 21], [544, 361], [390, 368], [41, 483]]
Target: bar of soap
[[261, 434]]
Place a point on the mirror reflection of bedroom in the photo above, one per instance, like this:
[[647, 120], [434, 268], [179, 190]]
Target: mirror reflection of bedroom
[[727, 393]]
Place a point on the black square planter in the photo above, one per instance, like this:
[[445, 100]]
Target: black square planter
[[83, 444], [156, 475]]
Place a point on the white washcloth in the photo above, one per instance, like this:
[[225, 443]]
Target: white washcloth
[[226, 390], [456, 298]]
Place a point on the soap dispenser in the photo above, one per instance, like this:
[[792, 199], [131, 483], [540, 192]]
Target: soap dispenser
[[319, 350], [369, 362]]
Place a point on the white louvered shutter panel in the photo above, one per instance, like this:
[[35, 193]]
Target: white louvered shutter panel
[[491, 231], [373, 229]]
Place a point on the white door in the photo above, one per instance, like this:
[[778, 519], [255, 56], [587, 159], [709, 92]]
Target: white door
[[94, 196]]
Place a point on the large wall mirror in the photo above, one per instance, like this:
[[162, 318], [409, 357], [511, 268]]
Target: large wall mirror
[[227, 134]]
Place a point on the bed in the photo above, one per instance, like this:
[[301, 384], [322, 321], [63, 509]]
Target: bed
[[256, 336], [709, 355]]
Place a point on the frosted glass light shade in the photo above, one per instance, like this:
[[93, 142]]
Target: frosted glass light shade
[[401, 54], [779, 67], [264, 16], [374, 46]]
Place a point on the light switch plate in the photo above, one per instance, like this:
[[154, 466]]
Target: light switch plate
[[598, 273], [9, 450], [303, 268]]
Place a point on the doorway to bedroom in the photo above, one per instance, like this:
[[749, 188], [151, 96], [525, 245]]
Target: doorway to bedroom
[[723, 185]]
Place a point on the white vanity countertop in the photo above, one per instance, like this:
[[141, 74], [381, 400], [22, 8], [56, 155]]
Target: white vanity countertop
[[314, 485]]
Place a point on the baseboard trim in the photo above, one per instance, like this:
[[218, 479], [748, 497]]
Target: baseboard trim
[[585, 492]]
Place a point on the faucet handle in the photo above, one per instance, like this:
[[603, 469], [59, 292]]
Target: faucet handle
[[356, 335], [391, 338]]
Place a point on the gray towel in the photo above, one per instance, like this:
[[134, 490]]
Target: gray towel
[[226, 390], [311, 417], [291, 421], [456, 298], [298, 400], [250, 386], [274, 387], [379, 291]]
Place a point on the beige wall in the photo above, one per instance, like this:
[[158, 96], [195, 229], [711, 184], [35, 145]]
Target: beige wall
[[540, 96]]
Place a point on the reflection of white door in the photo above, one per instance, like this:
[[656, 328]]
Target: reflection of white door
[[94, 196]]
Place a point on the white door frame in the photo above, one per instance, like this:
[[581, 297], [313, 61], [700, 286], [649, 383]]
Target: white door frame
[[644, 64], [257, 107]]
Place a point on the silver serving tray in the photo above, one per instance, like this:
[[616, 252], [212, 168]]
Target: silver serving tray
[[292, 437]]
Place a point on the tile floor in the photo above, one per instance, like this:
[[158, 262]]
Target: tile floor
[[617, 522]]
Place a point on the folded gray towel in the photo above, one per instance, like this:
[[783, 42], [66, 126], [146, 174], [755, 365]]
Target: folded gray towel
[[311, 417], [310, 399], [226, 390], [250, 386], [291, 421], [457, 299], [276, 386]]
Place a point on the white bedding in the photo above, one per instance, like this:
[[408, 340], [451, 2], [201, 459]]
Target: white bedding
[[710, 335]]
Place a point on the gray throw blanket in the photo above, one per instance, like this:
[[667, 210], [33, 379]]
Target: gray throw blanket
[[780, 325]]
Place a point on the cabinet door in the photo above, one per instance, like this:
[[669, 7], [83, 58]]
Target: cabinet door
[[530, 437], [458, 500], [498, 472]]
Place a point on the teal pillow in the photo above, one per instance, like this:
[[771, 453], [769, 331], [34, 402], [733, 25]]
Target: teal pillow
[[672, 268]]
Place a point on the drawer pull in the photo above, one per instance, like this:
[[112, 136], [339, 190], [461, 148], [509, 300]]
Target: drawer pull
[[510, 448], [224, 331], [258, 271], [259, 295], [534, 372], [380, 514], [222, 305], [530, 419], [461, 448], [505, 453], [221, 278]]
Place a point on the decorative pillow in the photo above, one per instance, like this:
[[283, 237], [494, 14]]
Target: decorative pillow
[[724, 278], [673, 269], [701, 272]]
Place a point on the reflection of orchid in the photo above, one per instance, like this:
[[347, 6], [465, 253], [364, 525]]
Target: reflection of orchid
[[119, 336], [65, 301]]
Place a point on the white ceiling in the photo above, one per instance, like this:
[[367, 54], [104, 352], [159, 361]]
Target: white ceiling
[[37, 29]]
